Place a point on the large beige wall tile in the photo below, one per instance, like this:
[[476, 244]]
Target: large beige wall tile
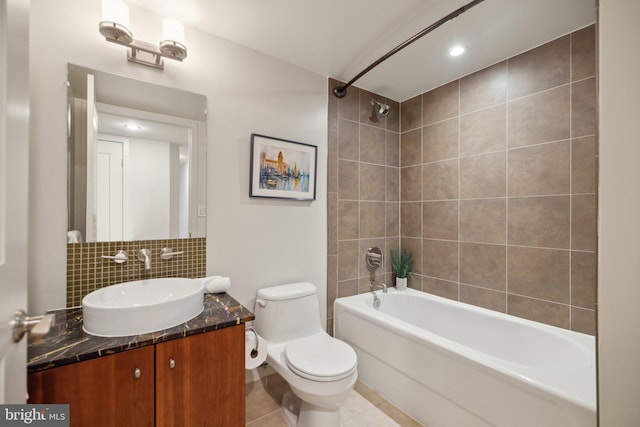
[[441, 103], [484, 88], [372, 144], [583, 222], [440, 259], [411, 148], [348, 140], [440, 141], [483, 131], [348, 220], [486, 298], [441, 288], [440, 180], [539, 221], [542, 117], [539, 69], [583, 108], [483, 220], [393, 149], [411, 114], [483, 176], [539, 273], [349, 106], [373, 183], [483, 265], [348, 180], [392, 177], [440, 220], [540, 170], [411, 183], [411, 219], [583, 279], [584, 165], [539, 311], [372, 219], [583, 53]]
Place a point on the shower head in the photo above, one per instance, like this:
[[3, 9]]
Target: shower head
[[380, 108]]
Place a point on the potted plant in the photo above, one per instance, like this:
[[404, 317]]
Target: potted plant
[[401, 262]]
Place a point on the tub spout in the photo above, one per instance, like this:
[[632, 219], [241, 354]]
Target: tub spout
[[373, 285]]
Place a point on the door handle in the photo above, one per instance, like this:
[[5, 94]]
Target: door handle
[[36, 325]]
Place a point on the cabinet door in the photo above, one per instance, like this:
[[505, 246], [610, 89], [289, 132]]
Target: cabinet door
[[101, 392], [200, 380]]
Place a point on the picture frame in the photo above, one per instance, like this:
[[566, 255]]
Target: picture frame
[[282, 169]]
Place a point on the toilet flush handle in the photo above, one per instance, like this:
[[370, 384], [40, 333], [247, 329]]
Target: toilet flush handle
[[261, 303]]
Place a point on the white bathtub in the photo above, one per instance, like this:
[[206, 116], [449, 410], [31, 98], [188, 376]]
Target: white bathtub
[[452, 364]]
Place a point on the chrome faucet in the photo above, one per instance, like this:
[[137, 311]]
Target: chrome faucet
[[373, 285], [144, 255]]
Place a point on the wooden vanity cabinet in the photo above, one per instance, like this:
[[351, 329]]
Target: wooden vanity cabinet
[[115, 390], [192, 381], [200, 380]]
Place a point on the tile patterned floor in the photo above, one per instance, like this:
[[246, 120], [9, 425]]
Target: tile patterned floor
[[363, 407]]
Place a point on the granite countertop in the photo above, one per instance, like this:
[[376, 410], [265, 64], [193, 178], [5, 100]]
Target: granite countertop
[[67, 342]]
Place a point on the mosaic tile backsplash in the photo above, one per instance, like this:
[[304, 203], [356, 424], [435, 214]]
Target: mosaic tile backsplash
[[88, 271]]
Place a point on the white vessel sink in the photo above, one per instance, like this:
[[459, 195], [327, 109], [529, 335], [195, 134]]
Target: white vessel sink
[[142, 306]]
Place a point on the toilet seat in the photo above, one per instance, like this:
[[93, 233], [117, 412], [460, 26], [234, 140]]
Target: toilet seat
[[320, 358]]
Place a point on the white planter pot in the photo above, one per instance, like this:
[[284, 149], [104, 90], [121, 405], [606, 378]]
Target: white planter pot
[[401, 283]]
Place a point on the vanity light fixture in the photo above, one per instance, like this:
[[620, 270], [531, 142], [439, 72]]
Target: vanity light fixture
[[115, 28]]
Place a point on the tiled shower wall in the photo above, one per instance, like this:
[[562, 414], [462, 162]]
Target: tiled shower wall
[[88, 271], [498, 178], [498, 186], [363, 190]]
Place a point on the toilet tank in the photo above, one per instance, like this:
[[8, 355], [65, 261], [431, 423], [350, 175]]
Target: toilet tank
[[290, 311]]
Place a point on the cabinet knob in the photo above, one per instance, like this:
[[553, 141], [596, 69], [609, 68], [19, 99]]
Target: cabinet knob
[[172, 363], [137, 373]]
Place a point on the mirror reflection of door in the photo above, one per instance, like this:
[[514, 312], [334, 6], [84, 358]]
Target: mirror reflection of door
[[109, 196]]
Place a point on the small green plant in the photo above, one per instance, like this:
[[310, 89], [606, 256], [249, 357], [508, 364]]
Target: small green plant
[[401, 262]]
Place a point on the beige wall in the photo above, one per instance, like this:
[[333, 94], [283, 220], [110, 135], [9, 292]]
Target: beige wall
[[619, 213], [498, 183], [363, 190], [256, 242]]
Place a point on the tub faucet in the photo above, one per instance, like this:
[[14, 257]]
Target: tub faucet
[[144, 255], [373, 285]]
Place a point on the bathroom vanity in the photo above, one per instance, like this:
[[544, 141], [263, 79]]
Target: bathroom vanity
[[191, 374]]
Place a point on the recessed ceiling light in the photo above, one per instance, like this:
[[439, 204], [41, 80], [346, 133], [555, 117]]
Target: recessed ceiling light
[[456, 50], [132, 126]]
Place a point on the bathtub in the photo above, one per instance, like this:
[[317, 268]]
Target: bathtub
[[448, 364]]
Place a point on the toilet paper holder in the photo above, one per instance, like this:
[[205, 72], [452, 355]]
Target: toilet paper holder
[[254, 351]]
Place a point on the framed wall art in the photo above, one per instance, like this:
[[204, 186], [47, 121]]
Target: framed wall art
[[282, 169]]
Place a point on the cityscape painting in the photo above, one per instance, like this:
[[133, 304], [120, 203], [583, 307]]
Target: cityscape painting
[[282, 169]]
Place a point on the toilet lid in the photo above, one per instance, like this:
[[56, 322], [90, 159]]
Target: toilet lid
[[321, 358]]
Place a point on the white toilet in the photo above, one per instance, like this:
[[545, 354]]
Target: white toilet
[[320, 370]]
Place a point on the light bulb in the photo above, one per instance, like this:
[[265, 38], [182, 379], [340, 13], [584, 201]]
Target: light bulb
[[172, 30], [115, 11]]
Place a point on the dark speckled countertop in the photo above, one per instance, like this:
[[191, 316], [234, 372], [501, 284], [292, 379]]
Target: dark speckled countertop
[[67, 342]]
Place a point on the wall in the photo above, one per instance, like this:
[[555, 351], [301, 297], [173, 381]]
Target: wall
[[256, 242], [619, 210], [363, 190], [498, 185]]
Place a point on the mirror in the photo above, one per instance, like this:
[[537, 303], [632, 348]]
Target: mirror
[[136, 159]]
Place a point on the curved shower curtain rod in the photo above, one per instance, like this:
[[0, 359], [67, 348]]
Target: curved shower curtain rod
[[341, 91]]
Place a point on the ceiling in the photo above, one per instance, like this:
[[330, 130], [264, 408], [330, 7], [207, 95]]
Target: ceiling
[[339, 38]]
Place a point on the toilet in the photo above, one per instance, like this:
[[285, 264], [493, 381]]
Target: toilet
[[321, 370]]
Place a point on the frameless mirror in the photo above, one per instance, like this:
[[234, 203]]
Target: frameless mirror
[[136, 159]]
